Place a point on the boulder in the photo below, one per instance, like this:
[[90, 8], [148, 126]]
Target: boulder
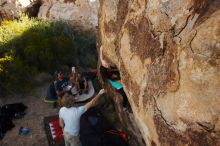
[[168, 56], [11, 9], [82, 14], [8, 10]]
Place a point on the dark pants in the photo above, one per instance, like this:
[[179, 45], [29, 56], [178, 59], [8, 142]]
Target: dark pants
[[125, 98]]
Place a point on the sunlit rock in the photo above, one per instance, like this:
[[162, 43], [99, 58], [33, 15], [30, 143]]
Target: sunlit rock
[[79, 13], [168, 55]]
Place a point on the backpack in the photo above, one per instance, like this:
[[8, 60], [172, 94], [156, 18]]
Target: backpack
[[14, 110]]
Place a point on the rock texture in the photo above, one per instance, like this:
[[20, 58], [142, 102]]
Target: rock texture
[[8, 10], [168, 55], [80, 13], [33, 8], [11, 9]]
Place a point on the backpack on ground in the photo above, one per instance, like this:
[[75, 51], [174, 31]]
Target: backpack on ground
[[9, 112], [15, 110]]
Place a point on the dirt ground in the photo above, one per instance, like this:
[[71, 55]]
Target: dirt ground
[[36, 112], [33, 120]]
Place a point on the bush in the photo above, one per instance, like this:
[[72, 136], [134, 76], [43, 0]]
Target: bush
[[29, 46]]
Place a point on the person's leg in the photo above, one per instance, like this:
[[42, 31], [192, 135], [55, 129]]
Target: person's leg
[[125, 98], [71, 140], [75, 141], [66, 139]]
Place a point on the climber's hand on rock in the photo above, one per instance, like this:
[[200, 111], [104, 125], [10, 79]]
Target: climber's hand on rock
[[105, 64]]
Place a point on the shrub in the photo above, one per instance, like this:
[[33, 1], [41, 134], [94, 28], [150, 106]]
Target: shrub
[[29, 46]]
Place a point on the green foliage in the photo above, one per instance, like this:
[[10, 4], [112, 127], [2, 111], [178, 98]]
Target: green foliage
[[15, 76], [35, 46]]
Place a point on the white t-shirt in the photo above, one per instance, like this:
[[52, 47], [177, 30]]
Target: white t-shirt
[[71, 117]]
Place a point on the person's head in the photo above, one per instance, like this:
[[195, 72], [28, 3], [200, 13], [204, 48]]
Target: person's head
[[68, 100], [110, 74], [115, 76], [59, 75]]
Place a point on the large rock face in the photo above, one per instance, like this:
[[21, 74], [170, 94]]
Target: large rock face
[[168, 55], [80, 13]]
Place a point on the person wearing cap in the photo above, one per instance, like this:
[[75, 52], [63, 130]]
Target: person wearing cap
[[69, 117]]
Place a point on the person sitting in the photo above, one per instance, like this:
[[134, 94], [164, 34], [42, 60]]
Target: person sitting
[[82, 84], [73, 75], [84, 78], [60, 86], [74, 81], [79, 82], [69, 117], [52, 96]]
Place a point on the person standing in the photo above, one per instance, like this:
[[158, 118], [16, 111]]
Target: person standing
[[69, 117]]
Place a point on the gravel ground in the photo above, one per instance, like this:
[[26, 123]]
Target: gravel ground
[[33, 120]]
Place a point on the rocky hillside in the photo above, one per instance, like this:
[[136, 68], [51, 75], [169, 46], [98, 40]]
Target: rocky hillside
[[80, 13], [168, 55]]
